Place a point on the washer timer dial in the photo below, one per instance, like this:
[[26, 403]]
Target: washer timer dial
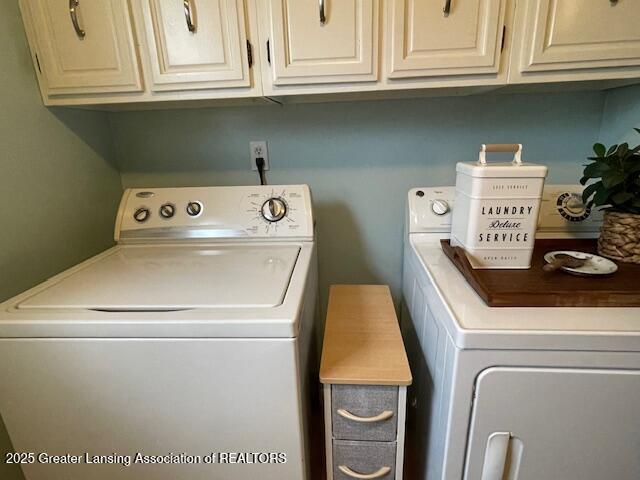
[[572, 208], [272, 212], [274, 209]]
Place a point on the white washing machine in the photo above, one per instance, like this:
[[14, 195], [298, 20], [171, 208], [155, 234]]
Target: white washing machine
[[514, 393], [190, 338]]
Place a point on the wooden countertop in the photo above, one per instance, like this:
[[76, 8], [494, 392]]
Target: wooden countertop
[[362, 340]]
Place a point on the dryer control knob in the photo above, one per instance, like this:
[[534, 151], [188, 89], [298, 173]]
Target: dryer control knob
[[274, 210], [194, 208], [440, 207], [141, 215], [575, 205], [167, 210]]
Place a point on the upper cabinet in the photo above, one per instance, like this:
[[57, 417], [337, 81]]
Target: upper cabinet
[[441, 38], [133, 51], [90, 52], [575, 40], [321, 41], [83, 46], [195, 44]]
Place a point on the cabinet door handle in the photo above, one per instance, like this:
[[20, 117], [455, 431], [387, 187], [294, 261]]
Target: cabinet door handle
[[73, 12], [613, 2], [447, 8], [188, 15], [378, 418], [384, 471], [323, 17]]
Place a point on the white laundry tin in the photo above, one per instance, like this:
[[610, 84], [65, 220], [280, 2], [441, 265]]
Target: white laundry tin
[[496, 209]]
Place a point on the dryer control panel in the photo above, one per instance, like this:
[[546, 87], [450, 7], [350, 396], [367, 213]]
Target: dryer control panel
[[430, 209], [148, 214], [561, 211]]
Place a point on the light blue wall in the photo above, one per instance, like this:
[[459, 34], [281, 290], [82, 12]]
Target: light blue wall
[[620, 115], [59, 188], [359, 158]]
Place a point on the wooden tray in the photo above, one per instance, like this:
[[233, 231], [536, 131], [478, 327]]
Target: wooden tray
[[536, 288]]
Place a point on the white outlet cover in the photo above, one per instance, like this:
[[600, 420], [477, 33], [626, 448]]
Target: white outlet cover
[[257, 150]]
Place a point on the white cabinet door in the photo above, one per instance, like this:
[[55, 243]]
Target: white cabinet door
[[84, 46], [436, 37], [546, 423], [303, 49], [196, 43], [554, 35]]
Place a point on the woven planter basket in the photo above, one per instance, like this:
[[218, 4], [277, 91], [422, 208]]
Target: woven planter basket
[[620, 237]]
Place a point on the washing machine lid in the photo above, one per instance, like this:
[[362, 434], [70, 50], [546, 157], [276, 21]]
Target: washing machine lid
[[172, 278]]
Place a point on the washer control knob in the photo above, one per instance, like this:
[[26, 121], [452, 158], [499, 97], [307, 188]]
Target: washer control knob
[[194, 208], [141, 215], [167, 210], [440, 207], [274, 210]]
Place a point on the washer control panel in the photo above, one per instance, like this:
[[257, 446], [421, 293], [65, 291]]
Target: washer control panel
[[215, 212]]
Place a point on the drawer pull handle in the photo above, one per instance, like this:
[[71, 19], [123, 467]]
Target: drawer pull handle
[[383, 472], [378, 418]]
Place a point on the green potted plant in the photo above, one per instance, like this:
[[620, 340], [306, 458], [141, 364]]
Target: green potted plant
[[616, 189]]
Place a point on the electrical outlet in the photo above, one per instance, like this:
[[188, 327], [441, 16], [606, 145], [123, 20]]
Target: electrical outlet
[[259, 150]]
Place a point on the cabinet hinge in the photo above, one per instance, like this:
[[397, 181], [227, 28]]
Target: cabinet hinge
[[268, 53], [249, 54], [38, 63], [504, 34]]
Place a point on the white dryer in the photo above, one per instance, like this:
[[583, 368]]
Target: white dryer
[[514, 393], [189, 343]]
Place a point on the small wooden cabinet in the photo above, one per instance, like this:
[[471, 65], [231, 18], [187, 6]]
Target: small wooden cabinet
[[196, 44], [365, 373], [83, 46], [321, 41], [576, 40], [436, 38]]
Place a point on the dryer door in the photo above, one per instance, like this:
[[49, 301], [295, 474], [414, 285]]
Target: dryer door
[[569, 424]]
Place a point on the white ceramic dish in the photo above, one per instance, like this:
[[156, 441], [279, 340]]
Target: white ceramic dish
[[595, 264]]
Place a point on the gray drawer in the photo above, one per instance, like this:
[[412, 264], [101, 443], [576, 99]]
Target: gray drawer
[[364, 458], [364, 401]]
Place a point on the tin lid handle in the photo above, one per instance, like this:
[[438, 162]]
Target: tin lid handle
[[515, 148]]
